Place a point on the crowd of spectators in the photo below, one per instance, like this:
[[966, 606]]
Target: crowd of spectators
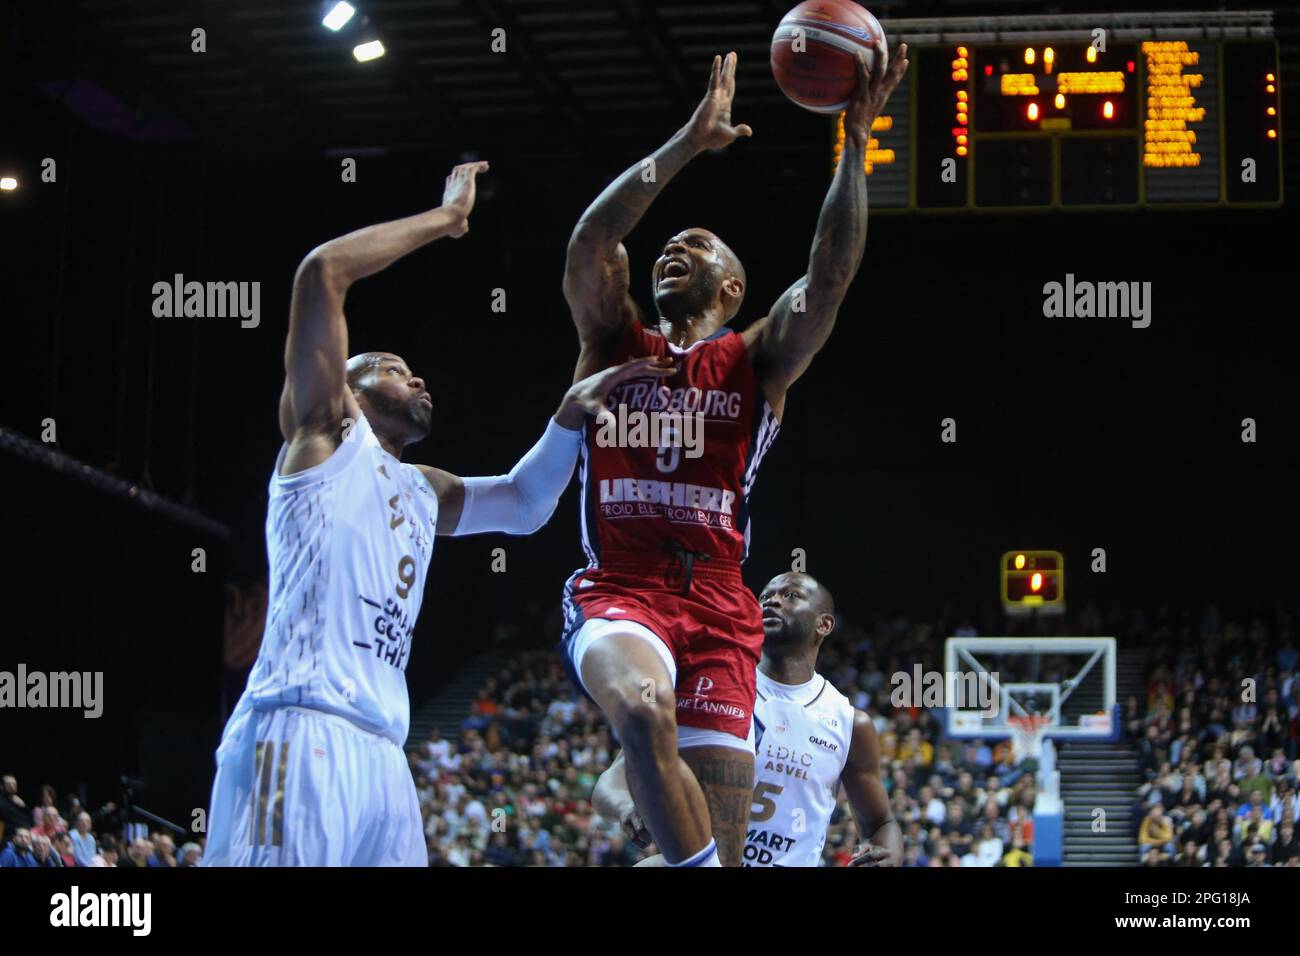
[[39, 834], [516, 788], [1217, 739], [1220, 771], [1218, 742]]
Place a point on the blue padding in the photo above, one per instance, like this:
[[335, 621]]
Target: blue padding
[[1049, 838]]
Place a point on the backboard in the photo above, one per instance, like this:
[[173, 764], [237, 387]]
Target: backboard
[[1068, 680]]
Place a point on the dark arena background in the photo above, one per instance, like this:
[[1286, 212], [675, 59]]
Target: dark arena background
[[950, 421]]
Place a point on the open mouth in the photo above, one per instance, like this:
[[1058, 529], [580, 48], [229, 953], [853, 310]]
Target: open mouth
[[674, 269]]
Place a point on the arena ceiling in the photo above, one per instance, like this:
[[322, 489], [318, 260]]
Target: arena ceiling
[[578, 78]]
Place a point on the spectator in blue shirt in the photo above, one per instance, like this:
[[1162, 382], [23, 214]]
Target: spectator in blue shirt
[[19, 852], [164, 851], [83, 841]]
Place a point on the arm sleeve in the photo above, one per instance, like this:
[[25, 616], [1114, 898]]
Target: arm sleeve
[[524, 500]]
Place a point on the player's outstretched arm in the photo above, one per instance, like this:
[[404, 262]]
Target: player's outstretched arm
[[524, 500], [595, 268], [802, 318], [315, 399], [882, 839]]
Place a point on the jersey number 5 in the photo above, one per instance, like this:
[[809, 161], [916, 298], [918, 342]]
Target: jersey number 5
[[766, 802], [670, 452]]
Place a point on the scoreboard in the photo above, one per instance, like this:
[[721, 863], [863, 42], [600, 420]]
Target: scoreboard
[[1037, 124], [1033, 579]]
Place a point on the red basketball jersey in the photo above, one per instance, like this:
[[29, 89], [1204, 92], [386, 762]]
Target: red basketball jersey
[[682, 482]]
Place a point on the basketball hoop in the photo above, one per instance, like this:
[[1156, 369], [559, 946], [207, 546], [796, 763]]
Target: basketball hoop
[[1027, 733]]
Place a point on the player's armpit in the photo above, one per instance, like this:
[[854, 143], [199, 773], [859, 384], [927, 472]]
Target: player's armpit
[[450, 490]]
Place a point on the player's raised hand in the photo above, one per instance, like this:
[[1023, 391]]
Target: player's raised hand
[[873, 89], [588, 396], [710, 126], [458, 193]]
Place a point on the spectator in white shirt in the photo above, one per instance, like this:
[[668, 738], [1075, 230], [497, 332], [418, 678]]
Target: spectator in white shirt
[[988, 850], [475, 812], [562, 710], [436, 746], [932, 808], [450, 761], [458, 853]]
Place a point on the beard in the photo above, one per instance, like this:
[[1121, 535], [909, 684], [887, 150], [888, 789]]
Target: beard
[[691, 298], [422, 416], [781, 635], [411, 417]]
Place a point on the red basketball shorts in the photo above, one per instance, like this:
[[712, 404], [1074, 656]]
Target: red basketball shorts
[[713, 630]]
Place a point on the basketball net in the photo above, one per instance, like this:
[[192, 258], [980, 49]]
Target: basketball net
[[1027, 736]]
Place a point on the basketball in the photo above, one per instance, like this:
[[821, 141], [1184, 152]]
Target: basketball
[[813, 48]]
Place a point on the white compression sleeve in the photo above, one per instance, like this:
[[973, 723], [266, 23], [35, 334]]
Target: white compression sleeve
[[524, 500]]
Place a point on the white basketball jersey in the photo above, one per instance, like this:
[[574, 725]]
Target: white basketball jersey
[[802, 737], [348, 543]]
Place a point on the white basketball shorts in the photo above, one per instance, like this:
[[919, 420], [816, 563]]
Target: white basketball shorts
[[298, 787]]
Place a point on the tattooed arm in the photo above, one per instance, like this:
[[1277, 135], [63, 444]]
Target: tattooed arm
[[784, 342], [595, 268]]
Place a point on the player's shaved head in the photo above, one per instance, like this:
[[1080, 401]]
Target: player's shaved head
[[716, 276], [732, 266], [395, 402], [359, 365], [725, 251]]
